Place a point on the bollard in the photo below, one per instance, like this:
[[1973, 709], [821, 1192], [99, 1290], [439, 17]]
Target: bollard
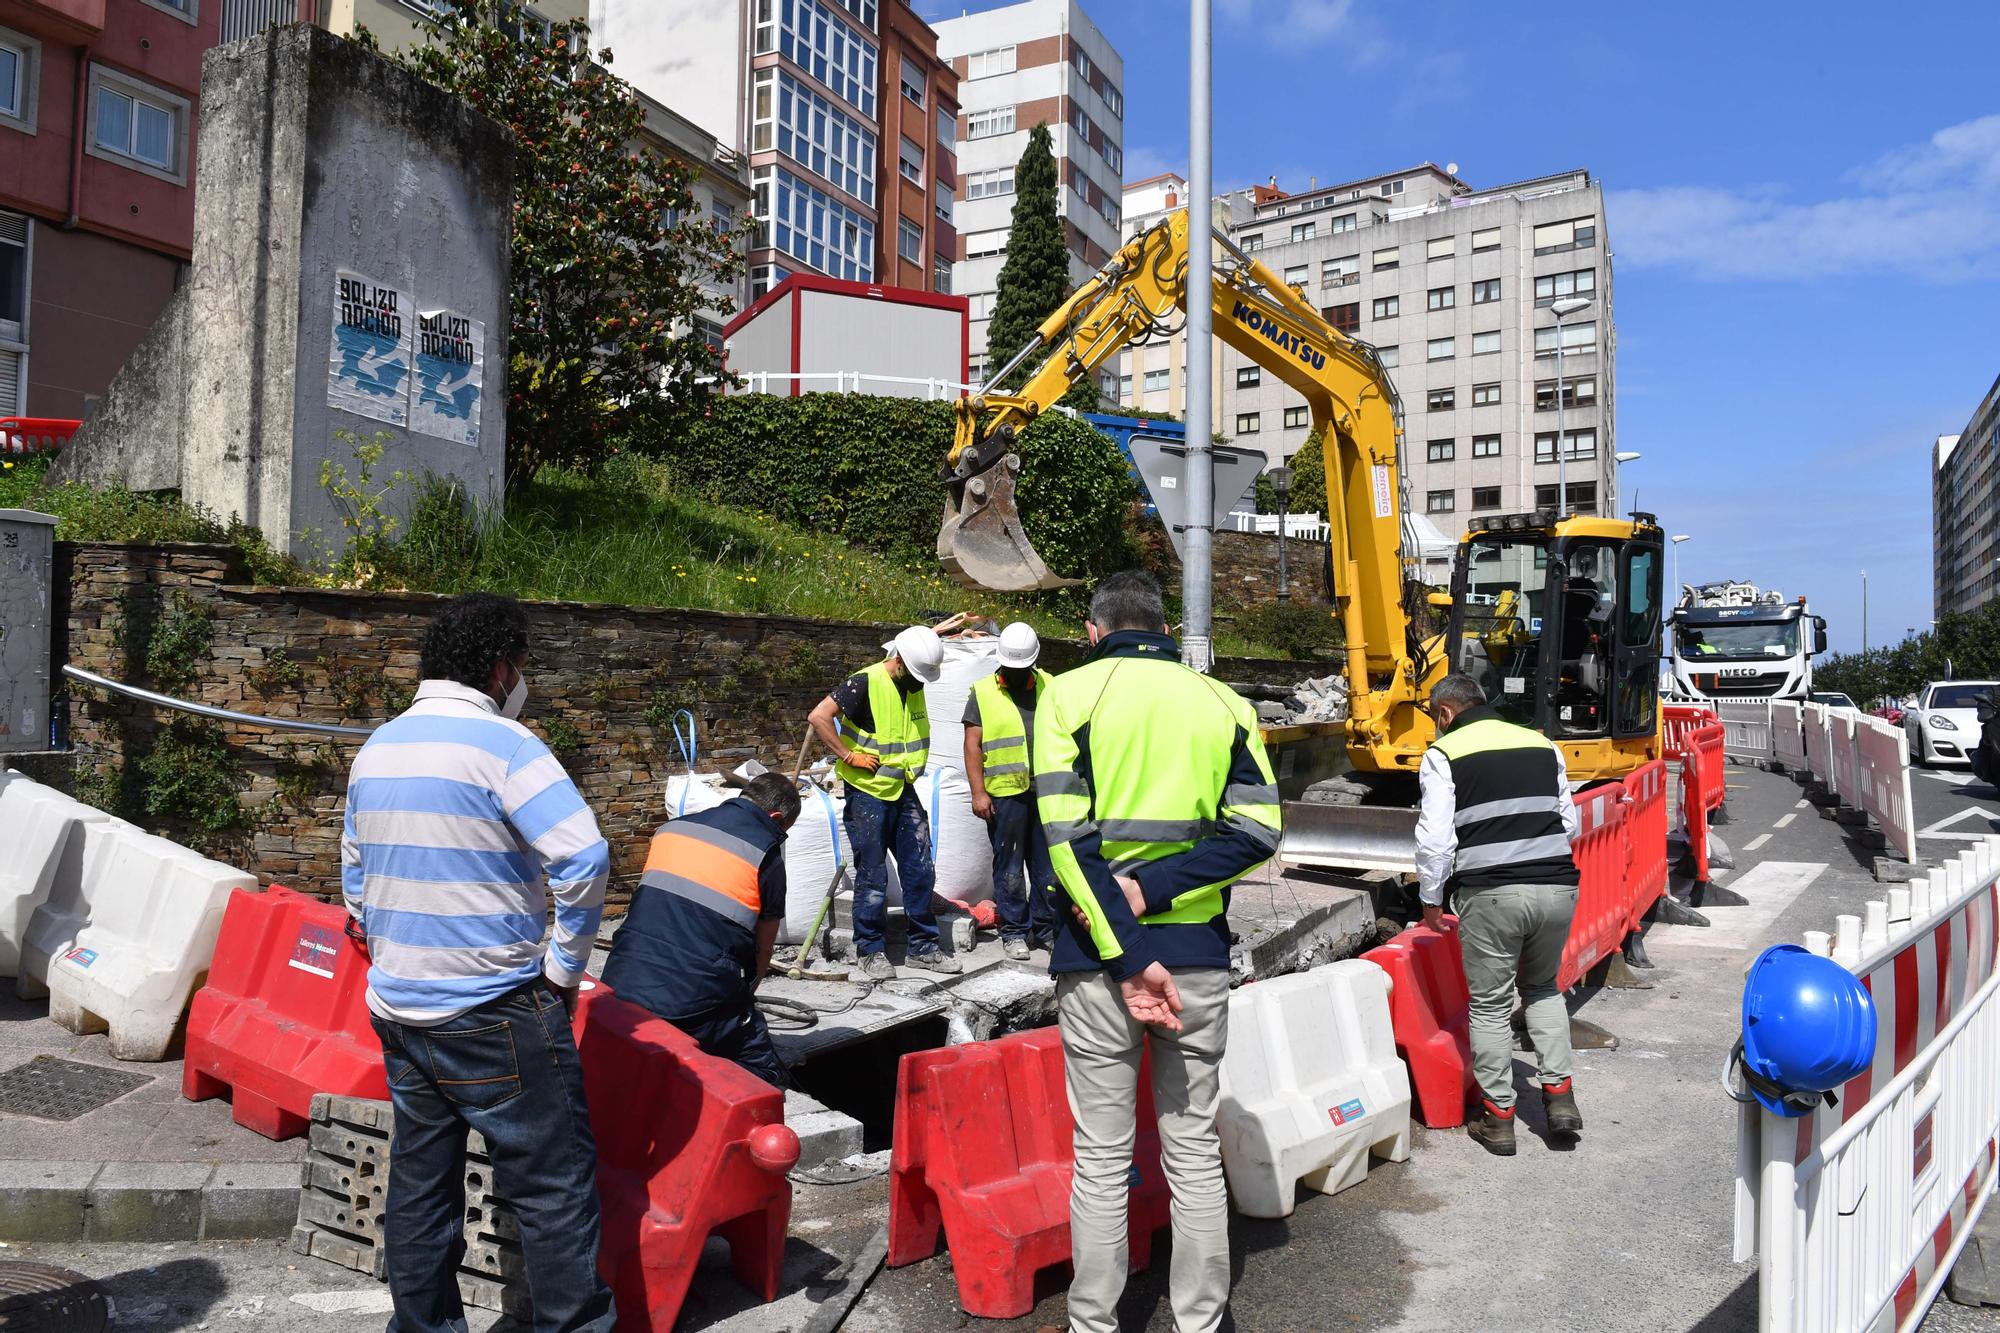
[[1847, 939], [1875, 933], [1820, 943], [1899, 905]]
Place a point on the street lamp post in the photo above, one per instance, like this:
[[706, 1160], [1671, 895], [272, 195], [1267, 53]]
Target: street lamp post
[[1622, 457], [1281, 486], [1678, 539], [1562, 310]]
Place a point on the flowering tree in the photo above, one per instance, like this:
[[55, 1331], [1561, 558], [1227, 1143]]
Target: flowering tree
[[611, 249]]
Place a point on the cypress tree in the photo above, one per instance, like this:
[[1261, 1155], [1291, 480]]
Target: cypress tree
[[1035, 278]]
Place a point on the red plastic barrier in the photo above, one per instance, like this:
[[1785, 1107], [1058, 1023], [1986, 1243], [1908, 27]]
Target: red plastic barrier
[[984, 1149], [35, 435], [1677, 723], [1645, 839], [687, 1144], [1712, 763], [283, 1015], [1603, 900], [1430, 1010], [1694, 814]]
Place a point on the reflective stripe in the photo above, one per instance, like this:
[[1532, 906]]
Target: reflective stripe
[[1552, 847], [1066, 830], [1512, 805], [1004, 743], [1062, 783], [1261, 833], [997, 770], [719, 903], [714, 837], [1263, 793], [1155, 830], [891, 772]]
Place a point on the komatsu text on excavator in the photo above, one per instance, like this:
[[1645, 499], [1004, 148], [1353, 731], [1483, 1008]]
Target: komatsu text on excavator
[[1556, 615]]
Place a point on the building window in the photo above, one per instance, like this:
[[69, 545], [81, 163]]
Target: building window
[[181, 9], [1247, 423], [1248, 377], [1485, 291], [1388, 258], [985, 64], [1113, 155], [1486, 344], [1295, 275], [1081, 60], [985, 244], [1582, 497], [1340, 272], [1486, 446], [989, 184], [1253, 242], [1114, 99], [1577, 391], [1485, 497], [913, 82], [137, 125], [1295, 418], [1079, 120], [1553, 287], [1386, 307], [1390, 356], [816, 134], [1441, 400], [1124, 388], [1340, 223], [1577, 444], [941, 276], [1487, 238], [911, 161], [816, 39], [1389, 188], [990, 124], [813, 227], [19, 69], [1574, 234], [1485, 395], [910, 240], [1441, 451], [1441, 298], [1438, 349], [947, 128], [944, 202], [1440, 502], [1575, 338], [1304, 231], [1156, 381], [1442, 247], [764, 277], [1346, 318]]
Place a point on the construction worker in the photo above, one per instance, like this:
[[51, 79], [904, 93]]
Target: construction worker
[[703, 923], [882, 741], [999, 725], [1155, 795], [1495, 832]]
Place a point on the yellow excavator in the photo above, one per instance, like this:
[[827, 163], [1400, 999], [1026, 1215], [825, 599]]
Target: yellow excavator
[[1556, 615]]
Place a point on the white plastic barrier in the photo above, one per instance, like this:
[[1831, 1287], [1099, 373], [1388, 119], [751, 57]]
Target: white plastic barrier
[[1788, 739], [126, 946], [1311, 1085], [1819, 756], [1856, 1212], [1841, 726], [1746, 727], [43, 832], [1882, 767]]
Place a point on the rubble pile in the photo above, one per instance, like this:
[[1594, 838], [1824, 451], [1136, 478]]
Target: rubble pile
[[1318, 699]]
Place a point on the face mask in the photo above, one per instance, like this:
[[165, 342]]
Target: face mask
[[1017, 676], [517, 697]]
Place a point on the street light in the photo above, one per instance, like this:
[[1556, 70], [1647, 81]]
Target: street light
[[1563, 309], [1677, 564], [1622, 456], [1281, 486]]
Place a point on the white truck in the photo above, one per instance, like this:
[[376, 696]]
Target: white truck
[[1736, 641]]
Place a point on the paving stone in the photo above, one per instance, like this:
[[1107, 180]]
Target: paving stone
[[250, 1201], [44, 1200], [147, 1201]]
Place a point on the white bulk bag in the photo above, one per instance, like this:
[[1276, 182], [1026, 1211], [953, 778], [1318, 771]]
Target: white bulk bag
[[688, 793], [959, 846], [965, 660], [815, 848]]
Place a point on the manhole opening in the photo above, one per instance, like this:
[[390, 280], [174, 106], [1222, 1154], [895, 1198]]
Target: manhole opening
[[41, 1298], [51, 1088]]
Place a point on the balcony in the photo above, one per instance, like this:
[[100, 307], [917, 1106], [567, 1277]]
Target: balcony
[[78, 16]]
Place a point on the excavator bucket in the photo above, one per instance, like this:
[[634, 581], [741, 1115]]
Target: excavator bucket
[[982, 543], [1351, 837]]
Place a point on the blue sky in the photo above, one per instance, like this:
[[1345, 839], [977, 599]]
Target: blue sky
[[1804, 214]]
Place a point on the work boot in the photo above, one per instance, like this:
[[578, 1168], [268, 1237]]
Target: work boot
[[933, 960], [877, 967], [1559, 1109], [1494, 1129], [1015, 949]]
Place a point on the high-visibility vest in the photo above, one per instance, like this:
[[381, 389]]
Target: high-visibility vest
[[1003, 737], [1160, 741], [900, 737], [708, 859], [1509, 804]]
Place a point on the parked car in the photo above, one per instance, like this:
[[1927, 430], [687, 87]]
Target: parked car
[[1834, 700], [1890, 713], [1944, 724]]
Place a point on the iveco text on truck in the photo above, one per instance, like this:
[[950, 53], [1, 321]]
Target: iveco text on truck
[[1733, 641]]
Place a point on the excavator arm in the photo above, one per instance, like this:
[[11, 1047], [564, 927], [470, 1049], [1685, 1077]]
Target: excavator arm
[[1139, 293]]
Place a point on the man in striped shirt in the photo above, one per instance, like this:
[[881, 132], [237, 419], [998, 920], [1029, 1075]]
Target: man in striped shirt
[[456, 814]]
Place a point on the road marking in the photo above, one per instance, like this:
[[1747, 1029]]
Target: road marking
[[1770, 886], [1937, 830], [1950, 781], [1800, 806], [1756, 842], [1787, 819]]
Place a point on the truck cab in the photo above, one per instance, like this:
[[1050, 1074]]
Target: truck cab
[[1759, 649]]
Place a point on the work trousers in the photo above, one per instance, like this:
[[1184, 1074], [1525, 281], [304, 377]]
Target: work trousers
[[875, 829], [737, 1032], [1022, 876], [1101, 1049], [1512, 939], [508, 1069]]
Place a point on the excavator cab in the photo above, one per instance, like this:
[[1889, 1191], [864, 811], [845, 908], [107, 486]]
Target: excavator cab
[[1559, 622]]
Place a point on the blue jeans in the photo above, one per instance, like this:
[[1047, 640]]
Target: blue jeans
[[876, 828], [508, 1069], [1026, 909]]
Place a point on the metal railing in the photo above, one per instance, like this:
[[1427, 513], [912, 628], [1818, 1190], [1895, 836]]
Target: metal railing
[[1310, 527], [247, 18], [210, 710], [851, 381]]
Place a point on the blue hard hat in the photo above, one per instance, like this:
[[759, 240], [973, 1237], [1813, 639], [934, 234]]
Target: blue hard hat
[[1808, 1027]]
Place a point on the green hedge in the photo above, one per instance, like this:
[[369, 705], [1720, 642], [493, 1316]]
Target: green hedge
[[865, 469]]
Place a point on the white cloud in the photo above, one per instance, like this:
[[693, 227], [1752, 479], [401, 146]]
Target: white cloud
[[1926, 210]]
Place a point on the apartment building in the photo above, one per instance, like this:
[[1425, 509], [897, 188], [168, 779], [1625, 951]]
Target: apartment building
[[1965, 511], [1457, 289], [1034, 63], [97, 144], [917, 244]]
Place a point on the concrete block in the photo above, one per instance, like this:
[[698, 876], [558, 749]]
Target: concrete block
[[1325, 934], [824, 1135], [250, 1201], [1895, 870], [156, 1201], [44, 1200]]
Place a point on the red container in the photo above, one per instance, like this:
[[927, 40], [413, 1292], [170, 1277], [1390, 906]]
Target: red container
[[984, 1150], [1431, 1012], [283, 1015]]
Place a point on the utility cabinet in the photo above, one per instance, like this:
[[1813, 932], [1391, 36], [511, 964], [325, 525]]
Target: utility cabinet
[[27, 594]]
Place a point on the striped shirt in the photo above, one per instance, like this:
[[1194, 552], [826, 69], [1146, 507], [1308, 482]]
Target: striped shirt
[[455, 815]]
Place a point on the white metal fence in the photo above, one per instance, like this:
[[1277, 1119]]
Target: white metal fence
[[853, 381], [247, 18], [1309, 527], [1746, 727]]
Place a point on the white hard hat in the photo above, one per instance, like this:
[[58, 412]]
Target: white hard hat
[[1019, 645], [922, 654]]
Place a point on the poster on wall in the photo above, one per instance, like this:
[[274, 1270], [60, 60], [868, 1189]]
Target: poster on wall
[[451, 364], [368, 362]]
